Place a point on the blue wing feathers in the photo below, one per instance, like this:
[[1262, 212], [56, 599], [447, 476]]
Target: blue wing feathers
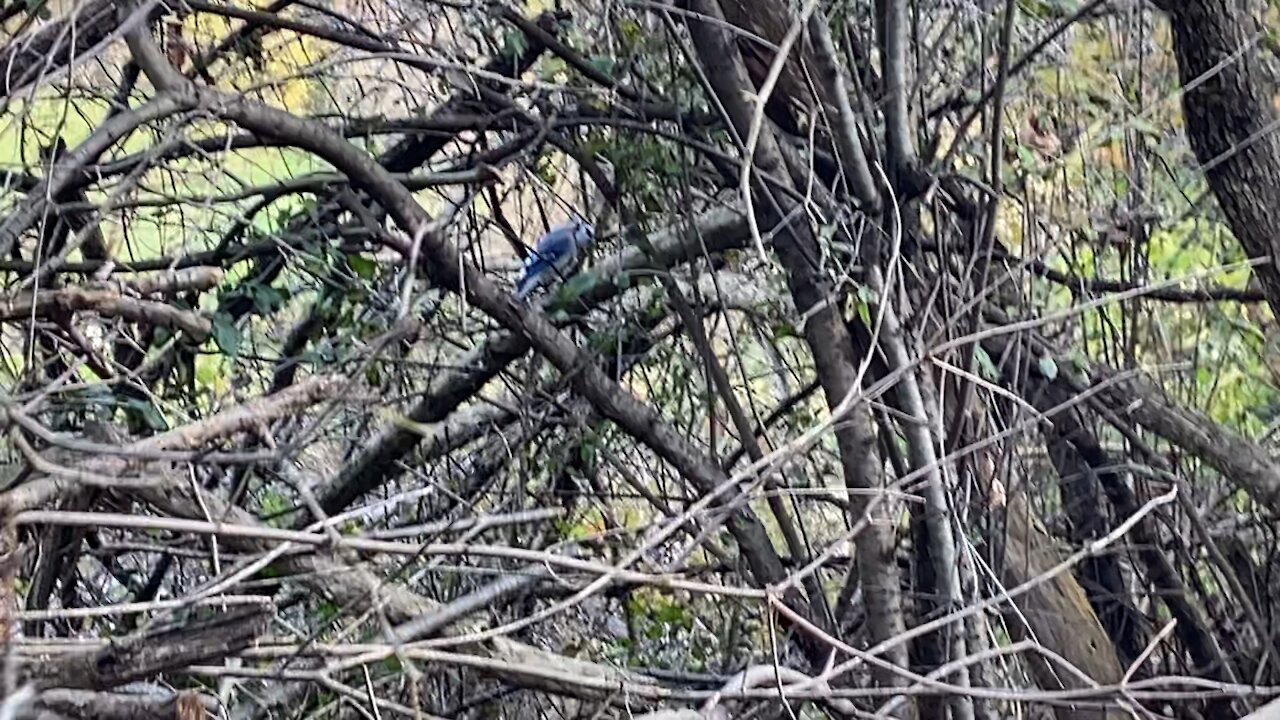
[[552, 256], [556, 242]]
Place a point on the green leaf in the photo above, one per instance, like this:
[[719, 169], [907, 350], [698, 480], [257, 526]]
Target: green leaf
[[1241, 501], [985, 365], [670, 614], [574, 287], [266, 299], [208, 367], [1080, 364], [514, 43], [1048, 367], [605, 342], [784, 330], [1035, 8], [864, 313], [225, 334], [546, 171], [148, 412], [587, 450], [865, 298], [273, 504], [551, 67], [630, 30], [1026, 159], [363, 266], [604, 63], [327, 611], [39, 8]]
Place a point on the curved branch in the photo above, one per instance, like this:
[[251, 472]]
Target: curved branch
[[111, 131], [32, 59], [106, 302]]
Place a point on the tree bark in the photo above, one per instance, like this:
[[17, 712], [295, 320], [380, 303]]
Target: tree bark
[[141, 656], [1240, 460], [1055, 613], [1232, 122], [37, 57]]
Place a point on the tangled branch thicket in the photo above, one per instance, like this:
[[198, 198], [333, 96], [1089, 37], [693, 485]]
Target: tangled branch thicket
[[924, 367]]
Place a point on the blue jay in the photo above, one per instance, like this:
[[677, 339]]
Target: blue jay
[[555, 255]]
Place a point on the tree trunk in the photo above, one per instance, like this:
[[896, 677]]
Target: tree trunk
[[1056, 613], [1232, 122]]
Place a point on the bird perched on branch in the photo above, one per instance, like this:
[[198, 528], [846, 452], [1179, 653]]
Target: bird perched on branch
[[555, 256]]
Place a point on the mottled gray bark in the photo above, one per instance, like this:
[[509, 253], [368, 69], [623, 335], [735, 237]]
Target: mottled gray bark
[[1232, 122]]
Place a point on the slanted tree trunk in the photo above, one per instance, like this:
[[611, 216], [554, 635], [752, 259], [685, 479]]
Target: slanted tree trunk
[[1232, 122], [1055, 613]]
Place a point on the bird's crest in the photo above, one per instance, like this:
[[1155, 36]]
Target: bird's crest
[[555, 254]]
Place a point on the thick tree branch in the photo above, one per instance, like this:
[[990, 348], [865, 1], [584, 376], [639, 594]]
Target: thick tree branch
[[1233, 122], [378, 462], [65, 44]]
